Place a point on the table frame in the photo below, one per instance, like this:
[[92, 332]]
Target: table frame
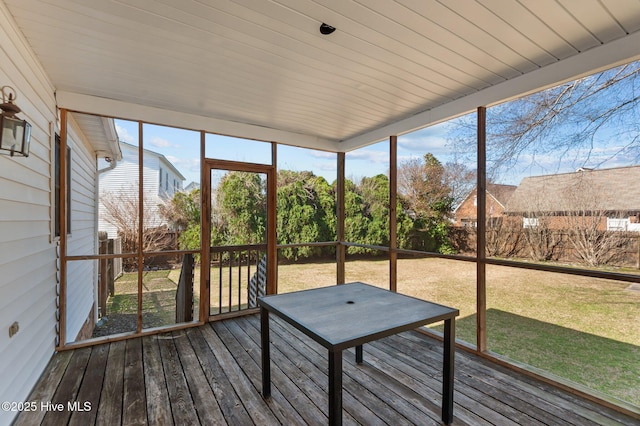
[[335, 355]]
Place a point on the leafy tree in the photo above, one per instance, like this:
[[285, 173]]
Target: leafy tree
[[183, 213], [240, 211], [356, 221], [423, 185], [182, 210], [375, 204], [306, 212]]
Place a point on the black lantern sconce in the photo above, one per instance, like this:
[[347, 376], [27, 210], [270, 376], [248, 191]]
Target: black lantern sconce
[[15, 133]]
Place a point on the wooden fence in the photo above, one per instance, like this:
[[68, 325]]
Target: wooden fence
[[513, 243], [108, 269]]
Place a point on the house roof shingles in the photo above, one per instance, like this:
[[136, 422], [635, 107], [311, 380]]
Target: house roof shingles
[[615, 189], [501, 193]]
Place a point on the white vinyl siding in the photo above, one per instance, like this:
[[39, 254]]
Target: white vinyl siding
[[27, 253], [158, 175], [81, 275], [122, 179]]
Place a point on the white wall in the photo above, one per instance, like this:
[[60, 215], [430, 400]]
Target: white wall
[[123, 179], [28, 247], [82, 276], [150, 174], [27, 253]]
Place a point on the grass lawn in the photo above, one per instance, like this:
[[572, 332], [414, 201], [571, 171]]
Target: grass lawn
[[158, 302], [582, 329]]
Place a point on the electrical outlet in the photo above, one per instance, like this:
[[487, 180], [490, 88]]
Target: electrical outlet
[[13, 329]]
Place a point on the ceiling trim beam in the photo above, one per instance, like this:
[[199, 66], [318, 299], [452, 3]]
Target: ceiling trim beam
[[600, 58], [129, 111]]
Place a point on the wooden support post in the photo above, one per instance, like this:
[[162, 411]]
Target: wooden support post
[[481, 278], [393, 225], [62, 324], [205, 234], [340, 217], [140, 223], [272, 250]]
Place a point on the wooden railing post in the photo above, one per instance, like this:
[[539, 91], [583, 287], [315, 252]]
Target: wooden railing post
[[184, 292], [340, 217], [393, 226], [481, 249]]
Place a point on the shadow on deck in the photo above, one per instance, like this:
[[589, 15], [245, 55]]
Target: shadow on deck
[[211, 375]]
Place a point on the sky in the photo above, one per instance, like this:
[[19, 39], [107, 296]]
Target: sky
[[182, 148]]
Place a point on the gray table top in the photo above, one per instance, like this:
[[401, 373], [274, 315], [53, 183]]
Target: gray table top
[[342, 316]]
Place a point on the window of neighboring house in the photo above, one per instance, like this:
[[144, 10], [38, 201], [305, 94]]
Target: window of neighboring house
[[617, 224], [529, 222], [58, 179], [160, 186], [166, 181]]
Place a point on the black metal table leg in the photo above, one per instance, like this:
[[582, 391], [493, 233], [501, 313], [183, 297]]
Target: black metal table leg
[[266, 356], [335, 388], [359, 354], [447, 374]]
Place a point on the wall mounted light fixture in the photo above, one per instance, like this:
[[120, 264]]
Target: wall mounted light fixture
[[15, 134]]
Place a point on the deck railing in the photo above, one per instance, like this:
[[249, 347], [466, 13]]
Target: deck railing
[[238, 276]]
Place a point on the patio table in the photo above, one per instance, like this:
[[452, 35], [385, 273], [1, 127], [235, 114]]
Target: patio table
[[343, 316]]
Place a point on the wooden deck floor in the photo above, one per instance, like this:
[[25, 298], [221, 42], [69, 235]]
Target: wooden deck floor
[[210, 375]]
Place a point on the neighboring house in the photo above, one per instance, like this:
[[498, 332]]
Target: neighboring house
[[610, 197], [466, 214], [192, 186], [161, 181]]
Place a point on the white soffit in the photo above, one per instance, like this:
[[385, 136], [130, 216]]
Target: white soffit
[[261, 69], [101, 134]]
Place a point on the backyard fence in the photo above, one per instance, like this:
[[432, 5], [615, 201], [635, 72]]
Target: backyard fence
[[184, 292], [622, 248], [108, 269]]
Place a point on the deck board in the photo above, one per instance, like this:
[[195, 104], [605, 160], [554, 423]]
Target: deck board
[[157, 395], [45, 388], [110, 408], [89, 394], [134, 407], [182, 406], [212, 375], [68, 389]]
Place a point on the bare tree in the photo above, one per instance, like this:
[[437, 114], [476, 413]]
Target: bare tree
[[460, 179], [542, 242], [503, 237], [122, 211], [585, 224], [565, 121]]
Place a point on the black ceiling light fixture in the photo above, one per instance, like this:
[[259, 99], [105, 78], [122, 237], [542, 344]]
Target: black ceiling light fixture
[[326, 29]]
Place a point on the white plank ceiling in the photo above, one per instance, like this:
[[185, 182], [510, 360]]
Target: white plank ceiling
[[261, 68]]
